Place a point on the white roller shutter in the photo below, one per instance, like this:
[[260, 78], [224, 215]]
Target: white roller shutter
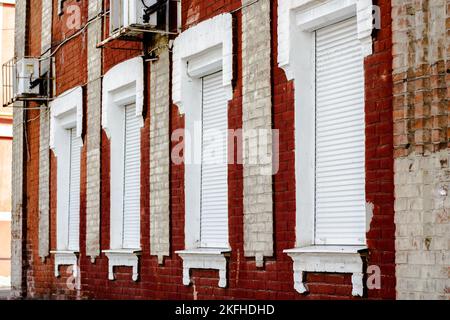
[[74, 191], [340, 136], [214, 177], [131, 181]]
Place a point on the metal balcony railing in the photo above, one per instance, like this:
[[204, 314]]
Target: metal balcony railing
[[34, 87], [130, 19], [8, 82]]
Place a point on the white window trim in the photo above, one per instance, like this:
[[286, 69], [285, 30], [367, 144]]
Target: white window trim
[[199, 51], [334, 259], [297, 21], [214, 259], [123, 258], [122, 85], [308, 15], [66, 112], [66, 258], [206, 48]]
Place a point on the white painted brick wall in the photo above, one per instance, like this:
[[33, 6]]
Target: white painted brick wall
[[17, 276], [160, 153], [423, 226], [46, 32], [257, 114], [44, 184], [420, 54], [44, 140], [93, 136]]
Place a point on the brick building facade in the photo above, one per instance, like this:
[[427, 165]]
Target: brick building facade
[[146, 226]]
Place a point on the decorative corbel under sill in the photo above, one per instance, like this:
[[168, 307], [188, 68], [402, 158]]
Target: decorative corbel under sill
[[123, 258], [330, 259], [66, 258], [213, 259]]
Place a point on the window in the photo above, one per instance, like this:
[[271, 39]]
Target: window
[[65, 140], [214, 173], [322, 45], [74, 191], [131, 179], [201, 88], [123, 88], [340, 213]]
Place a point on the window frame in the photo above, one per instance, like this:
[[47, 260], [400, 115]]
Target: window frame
[[124, 192], [66, 113], [315, 237], [296, 56], [202, 243], [201, 50], [122, 85], [297, 23], [73, 147]]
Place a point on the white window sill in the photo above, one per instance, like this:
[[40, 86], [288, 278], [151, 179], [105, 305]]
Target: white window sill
[[330, 259], [66, 258], [123, 258], [202, 258]]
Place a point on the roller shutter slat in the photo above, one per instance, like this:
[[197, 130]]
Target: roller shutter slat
[[132, 176], [340, 136], [74, 191], [214, 177]]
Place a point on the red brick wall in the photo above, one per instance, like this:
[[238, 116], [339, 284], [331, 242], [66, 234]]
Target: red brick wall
[[71, 71], [380, 155], [31, 175], [71, 58], [118, 51], [245, 280], [39, 278]]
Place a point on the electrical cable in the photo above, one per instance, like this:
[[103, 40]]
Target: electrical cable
[[76, 34]]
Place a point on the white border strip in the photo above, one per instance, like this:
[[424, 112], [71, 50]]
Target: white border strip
[[5, 216], [6, 130]]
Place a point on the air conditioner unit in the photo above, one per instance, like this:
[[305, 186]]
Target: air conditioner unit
[[27, 73], [22, 80], [130, 14]]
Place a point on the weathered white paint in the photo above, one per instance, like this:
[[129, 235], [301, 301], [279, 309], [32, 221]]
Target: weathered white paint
[[160, 152], [422, 235], [93, 134], [17, 230], [256, 117]]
